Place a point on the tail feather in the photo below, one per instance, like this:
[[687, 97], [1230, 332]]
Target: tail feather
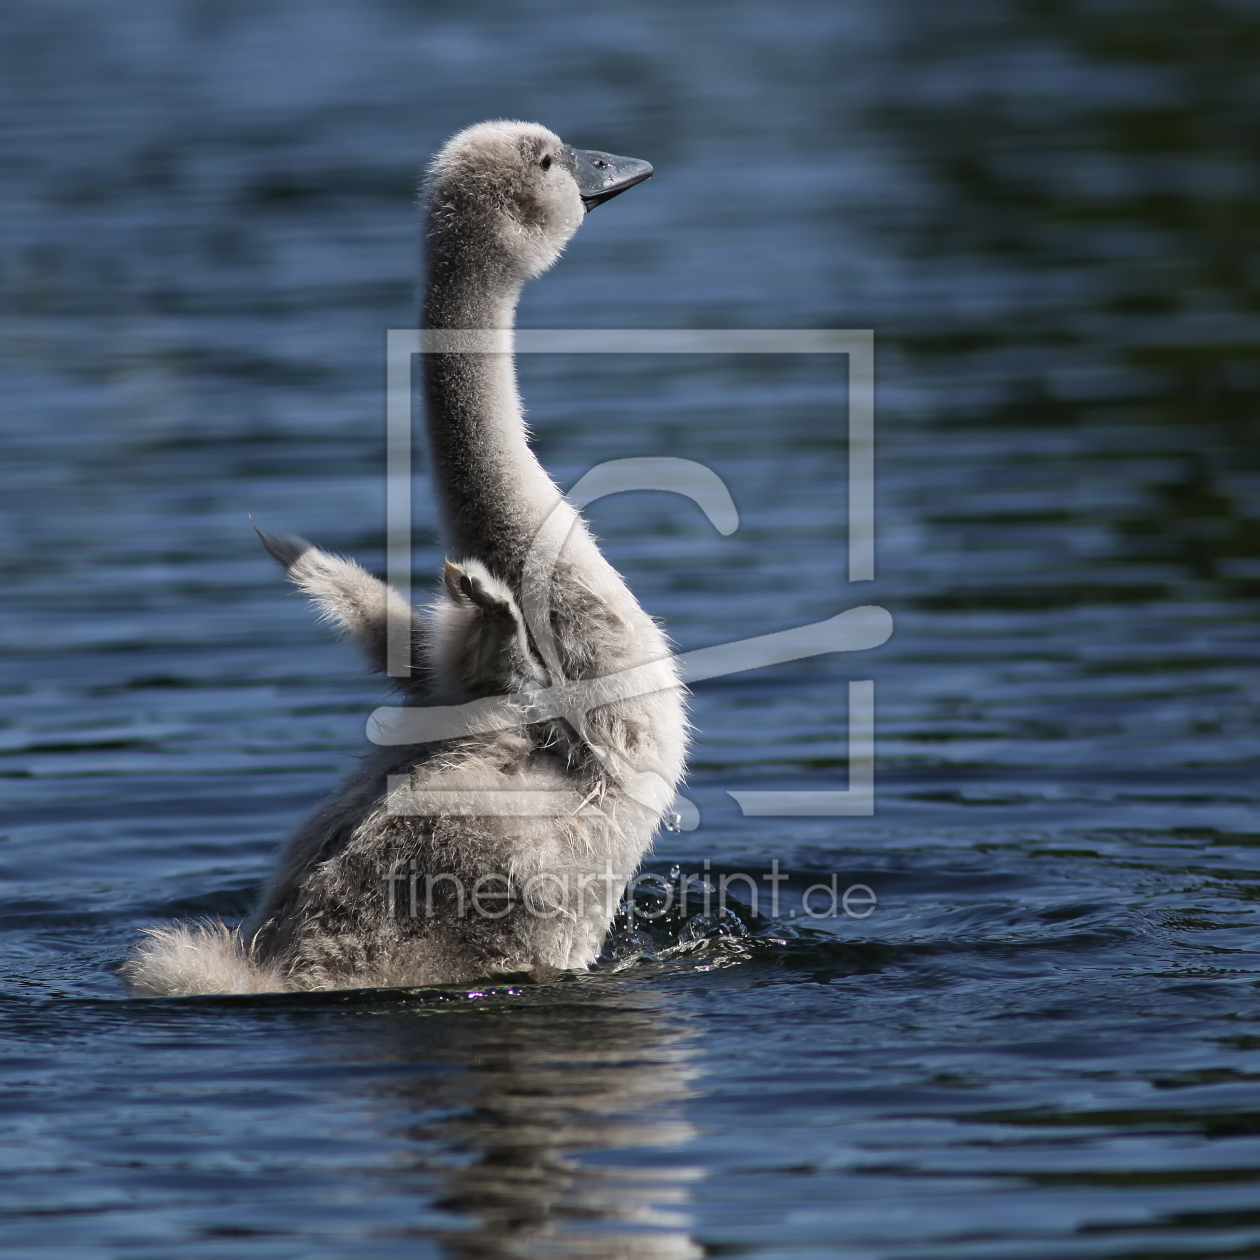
[[192, 958]]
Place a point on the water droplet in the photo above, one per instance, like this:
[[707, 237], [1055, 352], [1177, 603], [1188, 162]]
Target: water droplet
[[673, 822], [675, 871], [622, 947], [721, 923]]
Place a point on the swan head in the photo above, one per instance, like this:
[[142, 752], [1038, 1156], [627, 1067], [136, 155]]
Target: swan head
[[514, 193]]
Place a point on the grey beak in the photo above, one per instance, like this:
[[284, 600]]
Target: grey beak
[[601, 176]]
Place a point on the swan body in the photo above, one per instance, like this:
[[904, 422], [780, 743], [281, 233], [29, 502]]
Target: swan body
[[504, 850]]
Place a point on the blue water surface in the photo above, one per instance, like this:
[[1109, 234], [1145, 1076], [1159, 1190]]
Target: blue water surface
[[1044, 1042]]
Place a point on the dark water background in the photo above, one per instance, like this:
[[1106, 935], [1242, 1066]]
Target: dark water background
[[1045, 1042]]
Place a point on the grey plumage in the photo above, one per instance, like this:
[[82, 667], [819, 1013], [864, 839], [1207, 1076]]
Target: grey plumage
[[547, 817]]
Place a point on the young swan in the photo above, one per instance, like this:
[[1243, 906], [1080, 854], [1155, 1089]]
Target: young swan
[[505, 848]]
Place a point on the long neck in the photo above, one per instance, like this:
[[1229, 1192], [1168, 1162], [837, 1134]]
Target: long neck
[[492, 490]]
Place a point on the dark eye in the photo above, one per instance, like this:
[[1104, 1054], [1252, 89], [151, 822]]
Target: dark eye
[[546, 162]]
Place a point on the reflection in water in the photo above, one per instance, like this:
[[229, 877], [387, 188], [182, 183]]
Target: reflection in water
[[526, 1092]]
